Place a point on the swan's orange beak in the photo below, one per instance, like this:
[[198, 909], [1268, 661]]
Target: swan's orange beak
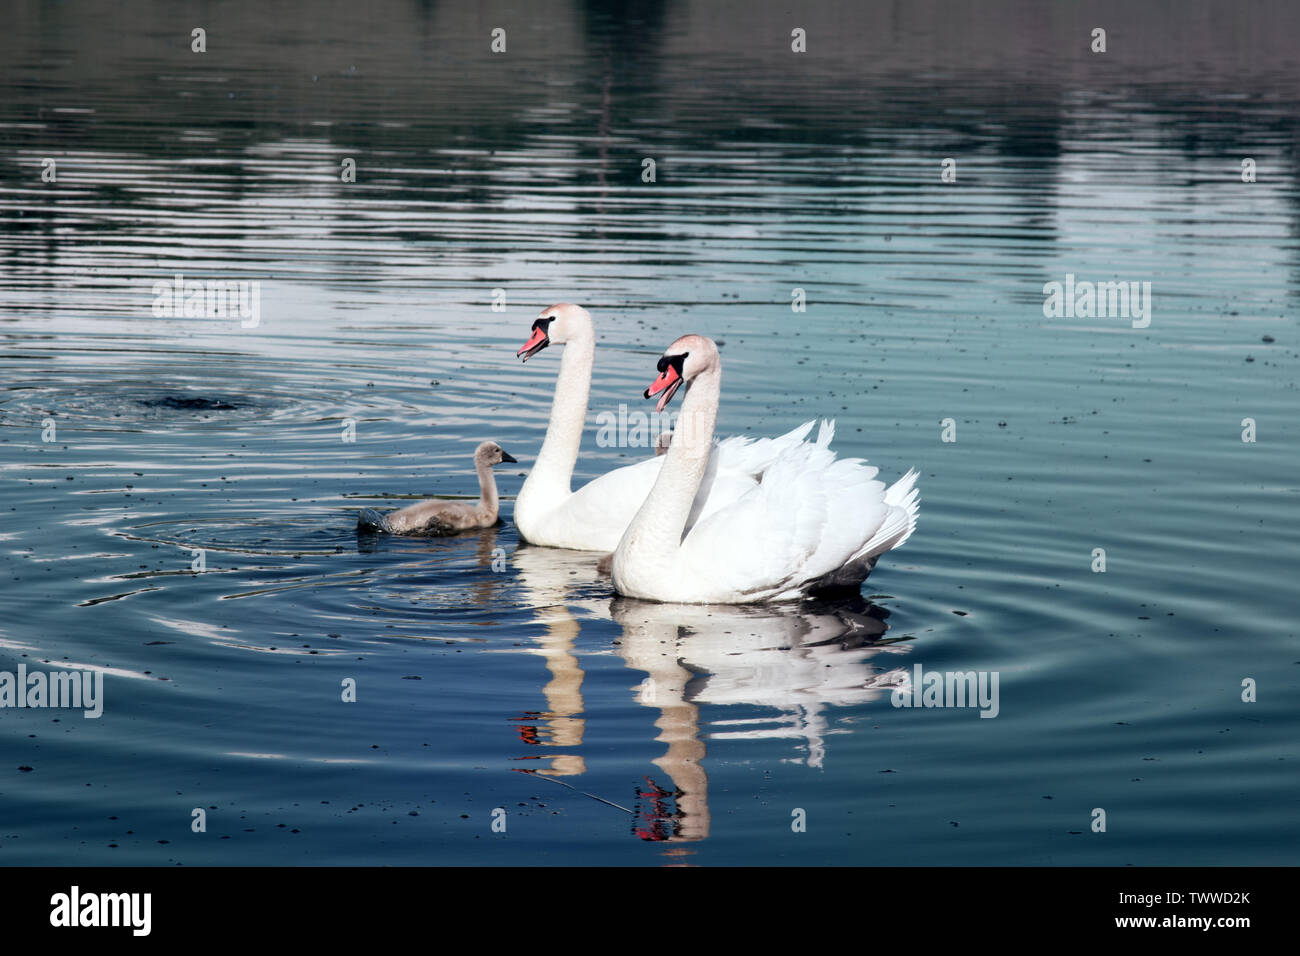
[[668, 382], [535, 344]]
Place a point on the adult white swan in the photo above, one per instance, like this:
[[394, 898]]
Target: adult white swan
[[593, 518], [812, 524]]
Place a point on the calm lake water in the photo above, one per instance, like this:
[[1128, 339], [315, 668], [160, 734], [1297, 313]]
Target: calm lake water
[[490, 674]]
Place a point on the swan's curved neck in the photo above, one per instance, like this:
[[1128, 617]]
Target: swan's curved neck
[[553, 471], [657, 528]]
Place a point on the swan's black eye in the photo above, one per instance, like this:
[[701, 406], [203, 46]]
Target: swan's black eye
[[674, 360], [544, 323]]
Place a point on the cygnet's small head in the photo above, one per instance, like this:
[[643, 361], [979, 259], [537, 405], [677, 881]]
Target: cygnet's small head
[[490, 453], [682, 361], [556, 325]]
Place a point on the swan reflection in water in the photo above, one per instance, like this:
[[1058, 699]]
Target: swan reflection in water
[[793, 659], [561, 587]]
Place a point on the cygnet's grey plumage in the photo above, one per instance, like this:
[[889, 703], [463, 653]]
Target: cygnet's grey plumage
[[439, 516]]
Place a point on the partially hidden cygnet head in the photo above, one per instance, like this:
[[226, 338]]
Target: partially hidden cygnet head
[[558, 324], [682, 361], [490, 453]]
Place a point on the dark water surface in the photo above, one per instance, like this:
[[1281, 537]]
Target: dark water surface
[[491, 674]]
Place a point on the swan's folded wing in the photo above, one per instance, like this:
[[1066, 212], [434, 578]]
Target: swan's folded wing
[[738, 464], [605, 506], [903, 499], [608, 504], [753, 456], [809, 516], [719, 489]]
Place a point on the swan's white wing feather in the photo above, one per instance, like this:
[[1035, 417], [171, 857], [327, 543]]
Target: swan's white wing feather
[[809, 516], [595, 516], [904, 501], [753, 456]]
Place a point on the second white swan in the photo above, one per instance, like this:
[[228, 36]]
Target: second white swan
[[813, 523]]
